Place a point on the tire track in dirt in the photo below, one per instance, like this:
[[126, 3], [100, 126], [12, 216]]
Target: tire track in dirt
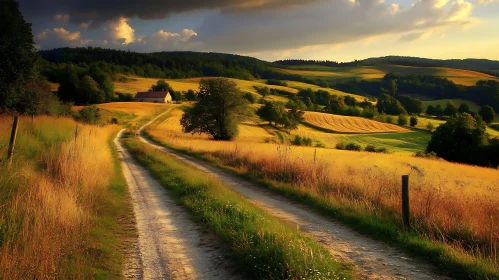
[[170, 244], [372, 259]]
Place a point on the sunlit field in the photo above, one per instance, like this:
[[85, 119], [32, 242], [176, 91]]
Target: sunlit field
[[451, 203], [57, 183], [343, 74], [345, 124], [144, 84], [127, 113], [300, 85]]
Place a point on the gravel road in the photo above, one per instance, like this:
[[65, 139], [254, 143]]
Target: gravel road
[[372, 259], [170, 244]]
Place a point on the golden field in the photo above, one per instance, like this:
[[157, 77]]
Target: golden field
[[49, 196], [342, 74], [442, 193], [345, 124], [143, 84]]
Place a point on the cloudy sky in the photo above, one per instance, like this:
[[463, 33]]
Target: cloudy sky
[[340, 30]]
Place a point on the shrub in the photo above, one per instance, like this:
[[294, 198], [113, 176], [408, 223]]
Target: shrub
[[414, 121], [298, 141], [353, 147], [340, 146], [250, 97], [114, 121], [89, 114], [389, 119], [319, 144], [430, 126], [303, 141], [402, 120], [369, 113], [382, 150], [123, 97], [370, 148]]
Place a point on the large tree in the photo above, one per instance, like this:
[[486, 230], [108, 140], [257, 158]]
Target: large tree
[[18, 59], [487, 113], [461, 139], [221, 107]]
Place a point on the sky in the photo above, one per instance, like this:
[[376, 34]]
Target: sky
[[337, 30]]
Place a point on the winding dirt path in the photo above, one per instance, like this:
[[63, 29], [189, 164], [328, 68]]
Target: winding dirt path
[[170, 244], [372, 259]]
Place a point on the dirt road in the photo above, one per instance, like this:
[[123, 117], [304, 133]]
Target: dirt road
[[171, 245], [372, 259]]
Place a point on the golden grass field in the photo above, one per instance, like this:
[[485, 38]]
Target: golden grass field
[[442, 193], [128, 112], [300, 85], [345, 124], [341, 74], [49, 195], [143, 84]]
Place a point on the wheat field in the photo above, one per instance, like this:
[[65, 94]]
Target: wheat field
[[345, 124], [442, 193]]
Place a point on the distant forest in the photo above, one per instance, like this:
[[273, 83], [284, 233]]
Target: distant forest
[[172, 65]]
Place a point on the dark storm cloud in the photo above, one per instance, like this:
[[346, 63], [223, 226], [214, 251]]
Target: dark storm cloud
[[99, 11]]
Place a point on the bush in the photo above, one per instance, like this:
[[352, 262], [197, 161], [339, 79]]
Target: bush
[[89, 114], [389, 119], [250, 97], [319, 144], [369, 113], [123, 97], [373, 149], [370, 148], [340, 146], [430, 126], [353, 147], [402, 120], [414, 121], [302, 141], [275, 82], [114, 121], [424, 154]]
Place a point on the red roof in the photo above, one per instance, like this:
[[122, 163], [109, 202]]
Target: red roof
[[152, 94]]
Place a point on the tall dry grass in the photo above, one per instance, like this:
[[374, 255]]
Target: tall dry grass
[[48, 195], [451, 203]]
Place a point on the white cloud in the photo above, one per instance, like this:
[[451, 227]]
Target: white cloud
[[57, 37], [121, 31], [62, 18], [165, 40]]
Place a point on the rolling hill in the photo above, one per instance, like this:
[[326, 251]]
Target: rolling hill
[[343, 74]]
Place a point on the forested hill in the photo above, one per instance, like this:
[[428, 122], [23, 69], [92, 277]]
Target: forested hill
[[164, 64], [481, 65]]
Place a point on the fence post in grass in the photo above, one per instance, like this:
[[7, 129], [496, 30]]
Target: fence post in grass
[[76, 132], [13, 136], [315, 155], [405, 202]]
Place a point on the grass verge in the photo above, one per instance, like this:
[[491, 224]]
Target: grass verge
[[380, 226], [263, 247]]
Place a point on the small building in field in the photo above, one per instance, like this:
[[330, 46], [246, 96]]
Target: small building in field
[[154, 96]]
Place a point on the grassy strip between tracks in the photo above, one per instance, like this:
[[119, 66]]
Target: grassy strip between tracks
[[262, 246]]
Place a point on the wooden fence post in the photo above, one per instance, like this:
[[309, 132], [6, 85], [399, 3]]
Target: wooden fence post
[[315, 155], [405, 202], [76, 132], [13, 136]]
